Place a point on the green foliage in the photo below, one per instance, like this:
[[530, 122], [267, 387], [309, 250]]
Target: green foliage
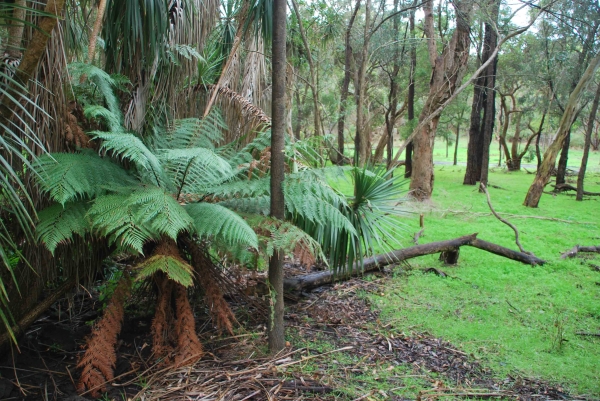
[[176, 269], [216, 221], [59, 222], [67, 177]]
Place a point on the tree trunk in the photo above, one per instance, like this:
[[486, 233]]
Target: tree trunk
[[15, 29], [33, 53], [543, 175], [483, 93], [313, 72], [361, 140], [561, 169], [410, 99], [345, 83], [378, 261], [276, 325], [448, 70], [586, 145], [513, 162], [96, 31], [455, 160]]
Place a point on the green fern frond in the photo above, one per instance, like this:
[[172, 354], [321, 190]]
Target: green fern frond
[[130, 147], [100, 113], [254, 205], [103, 81], [242, 188], [245, 155], [67, 177], [195, 169], [160, 212], [213, 220], [113, 217], [176, 269], [190, 133], [57, 224], [284, 237]]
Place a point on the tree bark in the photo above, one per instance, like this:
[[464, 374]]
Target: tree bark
[[484, 98], [276, 326], [448, 70], [33, 53], [410, 99], [586, 145], [378, 261], [312, 69], [543, 175], [345, 84], [15, 29], [360, 88], [96, 31]]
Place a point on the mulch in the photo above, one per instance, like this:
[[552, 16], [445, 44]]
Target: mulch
[[235, 368]]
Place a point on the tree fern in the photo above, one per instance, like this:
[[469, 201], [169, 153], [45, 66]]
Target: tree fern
[[160, 212], [58, 223], [67, 177], [100, 113], [175, 268], [112, 217], [105, 84], [190, 133], [213, 220], [192, 170], [130, 147]]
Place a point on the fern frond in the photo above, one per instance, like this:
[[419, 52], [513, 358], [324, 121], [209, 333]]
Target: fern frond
[[113, 217], [112, 120], [67, 177], [195, 169], [255, 205], [191, 133], [284, 237], [160, 212], [213, 220], [176, 269], [241, 188], [103, 81], [244, 156], [130, 147], [57, 224]]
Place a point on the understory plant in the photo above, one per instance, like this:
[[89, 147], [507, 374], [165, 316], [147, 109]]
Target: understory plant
[[172, 197]]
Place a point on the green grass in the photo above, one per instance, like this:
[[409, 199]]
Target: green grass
[[510, 315]]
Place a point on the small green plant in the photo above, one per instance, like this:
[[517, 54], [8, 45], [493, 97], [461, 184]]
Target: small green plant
[[558, 331]]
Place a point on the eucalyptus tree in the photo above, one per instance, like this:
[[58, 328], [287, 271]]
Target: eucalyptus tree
[[484, 95], [448, 69]]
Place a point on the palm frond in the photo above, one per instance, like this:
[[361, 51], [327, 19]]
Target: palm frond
[[176, 269], [58, 223], [67, 177], [213, 220]]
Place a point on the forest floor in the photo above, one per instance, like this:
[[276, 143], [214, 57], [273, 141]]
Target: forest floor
[[491, 328]]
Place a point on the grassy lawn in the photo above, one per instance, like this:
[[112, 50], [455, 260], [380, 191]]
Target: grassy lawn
[[511, 315]]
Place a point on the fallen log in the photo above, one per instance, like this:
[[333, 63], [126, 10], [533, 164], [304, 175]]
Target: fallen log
[[571, 253], [567, 187], [378, 261]]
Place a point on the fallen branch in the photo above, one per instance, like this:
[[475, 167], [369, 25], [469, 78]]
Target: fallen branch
[[576, 249], [515, 216], [378, 261], [567, 187], [582, 333], [489, 202], [36, 312]]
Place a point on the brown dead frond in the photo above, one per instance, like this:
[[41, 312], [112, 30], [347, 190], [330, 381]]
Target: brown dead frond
[[189, 348], [163, 318], [99, 360]]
